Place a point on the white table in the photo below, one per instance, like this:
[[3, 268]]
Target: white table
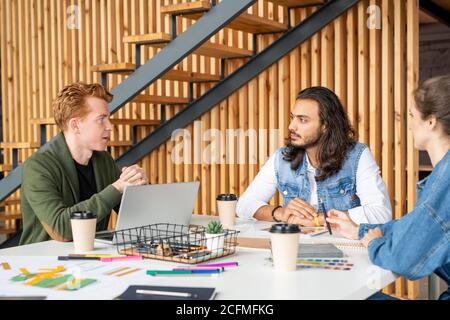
[[254, 278]]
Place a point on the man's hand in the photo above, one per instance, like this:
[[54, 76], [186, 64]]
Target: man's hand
[[302, 222], [131, 176], [134, 175], [297, 211], [370, 235], [301, 209], [341, 222]]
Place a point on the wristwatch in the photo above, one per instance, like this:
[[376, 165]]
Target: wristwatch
[[273, 214]]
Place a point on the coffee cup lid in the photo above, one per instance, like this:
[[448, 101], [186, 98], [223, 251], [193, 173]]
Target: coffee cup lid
[[284, 228], [83, 215], [226, 197]]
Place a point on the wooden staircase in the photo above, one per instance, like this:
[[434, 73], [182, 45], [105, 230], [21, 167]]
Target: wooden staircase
[[10, 214], [246, 22], [252, 24], [209, 49]]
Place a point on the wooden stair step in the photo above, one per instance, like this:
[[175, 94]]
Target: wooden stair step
[[114, 121], [245, 22], [7, 231], [186, 8], [296, 3], [188, 76], [19, 145], [135, 122], [120, 143], [175, 75], [10, 202], [149, 38], [4, 216], [48, 121], [146, 98], [209, 49], [121, 67], [426, 168], [5, 167]]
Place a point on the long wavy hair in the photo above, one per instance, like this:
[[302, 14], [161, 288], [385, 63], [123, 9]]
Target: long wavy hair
[[338, 136]]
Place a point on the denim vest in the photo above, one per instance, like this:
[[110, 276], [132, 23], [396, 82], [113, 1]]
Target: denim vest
[[335, 192]]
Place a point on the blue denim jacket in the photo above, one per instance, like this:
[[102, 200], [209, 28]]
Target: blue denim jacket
[[419, 243], [335, 192]]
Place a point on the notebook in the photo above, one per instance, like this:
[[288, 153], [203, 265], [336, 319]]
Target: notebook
[[343, 243], [253, 242], [324, 250], [167, 293]]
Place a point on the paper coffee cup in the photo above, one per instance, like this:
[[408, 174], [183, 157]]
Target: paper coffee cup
[[284, 241], [83, 230], [226, 206]]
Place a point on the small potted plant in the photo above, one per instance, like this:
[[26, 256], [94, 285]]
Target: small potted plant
[[215, 236]]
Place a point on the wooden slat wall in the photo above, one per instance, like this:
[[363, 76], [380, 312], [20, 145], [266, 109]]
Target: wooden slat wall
[[373, 71]]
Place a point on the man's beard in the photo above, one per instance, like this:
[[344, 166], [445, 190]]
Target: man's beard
[[310, 142]]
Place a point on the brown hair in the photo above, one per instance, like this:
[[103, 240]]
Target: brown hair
[[337, 138], [70, 101], [432, 98]]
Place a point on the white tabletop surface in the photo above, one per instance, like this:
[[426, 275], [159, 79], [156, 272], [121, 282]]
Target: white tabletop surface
[[254, 278]]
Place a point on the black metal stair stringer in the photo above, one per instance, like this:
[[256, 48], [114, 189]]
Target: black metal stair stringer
[[260, 62], [208, 25]]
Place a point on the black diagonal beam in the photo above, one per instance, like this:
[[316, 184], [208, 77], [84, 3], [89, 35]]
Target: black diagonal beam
[[183, 45], [278, 49], [436, 11], [217, 18]]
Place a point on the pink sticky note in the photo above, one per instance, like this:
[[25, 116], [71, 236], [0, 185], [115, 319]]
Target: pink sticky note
[[127, 258]]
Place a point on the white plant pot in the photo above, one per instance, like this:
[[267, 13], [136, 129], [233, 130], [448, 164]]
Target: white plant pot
[[215, 242]]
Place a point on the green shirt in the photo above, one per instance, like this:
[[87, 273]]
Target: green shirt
[[50, 192]]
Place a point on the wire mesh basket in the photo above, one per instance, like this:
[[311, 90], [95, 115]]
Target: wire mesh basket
[[175, 242]]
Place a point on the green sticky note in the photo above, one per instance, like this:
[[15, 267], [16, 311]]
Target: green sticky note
[[20, 277], [53, 282]]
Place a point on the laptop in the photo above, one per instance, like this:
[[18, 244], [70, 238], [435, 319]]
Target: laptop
[[154, 203]]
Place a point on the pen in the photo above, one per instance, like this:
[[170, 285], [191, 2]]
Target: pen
[[100, 255], [165, 293], [125, 258], [218, 269], [223, 264], [328, 224], [77, 258]]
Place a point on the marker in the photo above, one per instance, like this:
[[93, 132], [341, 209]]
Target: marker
[[180, 272], [218, 269], [77, 258], [125, 258], [223, 264], [100, 255]]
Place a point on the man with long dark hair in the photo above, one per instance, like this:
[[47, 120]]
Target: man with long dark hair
[[321, 168]]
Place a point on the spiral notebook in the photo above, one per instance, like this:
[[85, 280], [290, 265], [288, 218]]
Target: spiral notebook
[[342, 243]]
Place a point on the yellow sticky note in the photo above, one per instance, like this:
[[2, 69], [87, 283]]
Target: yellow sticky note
[[54, 270], [24, 271], [6, 266]]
